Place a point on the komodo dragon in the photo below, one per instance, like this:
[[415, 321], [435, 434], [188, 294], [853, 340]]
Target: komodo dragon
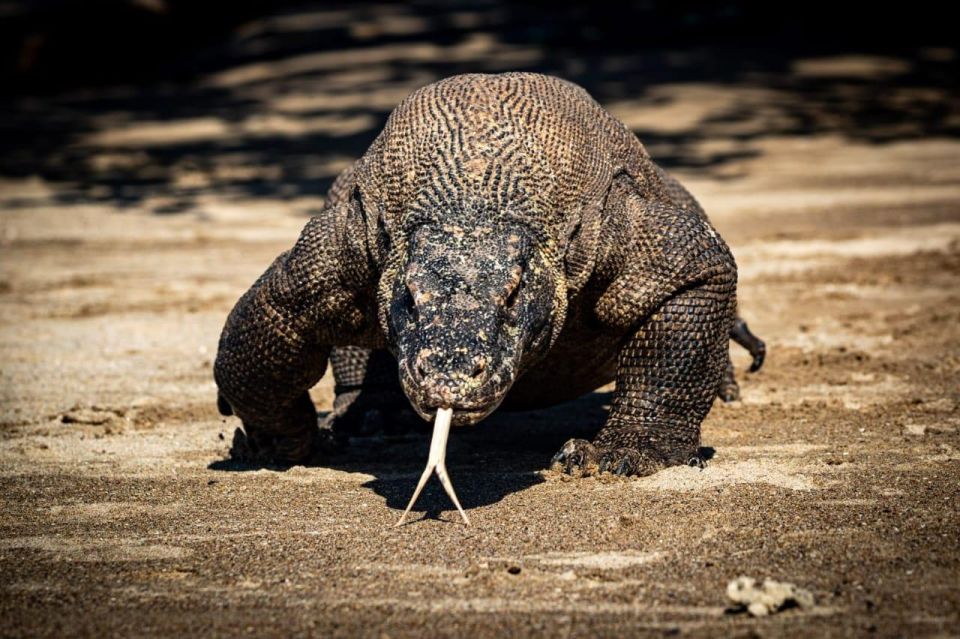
[[503, 242]]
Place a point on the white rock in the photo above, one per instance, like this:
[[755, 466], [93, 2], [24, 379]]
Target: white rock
[[766, 597]]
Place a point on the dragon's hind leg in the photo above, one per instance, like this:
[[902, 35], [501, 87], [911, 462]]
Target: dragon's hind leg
[[729, 389], [369, 398], [740, 333]]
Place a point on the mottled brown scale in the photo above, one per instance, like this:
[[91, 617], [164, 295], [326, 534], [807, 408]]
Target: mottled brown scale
[[504, 241]]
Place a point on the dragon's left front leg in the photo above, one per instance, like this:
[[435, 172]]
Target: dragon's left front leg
[[668, 375], [674, 297]]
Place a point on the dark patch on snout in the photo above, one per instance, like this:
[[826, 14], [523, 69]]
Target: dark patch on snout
[[465, 310]]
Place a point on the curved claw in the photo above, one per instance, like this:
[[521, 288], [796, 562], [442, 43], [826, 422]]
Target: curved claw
[[620, 461], [579, 455], [758, 356], [575, 454], [729, 391]]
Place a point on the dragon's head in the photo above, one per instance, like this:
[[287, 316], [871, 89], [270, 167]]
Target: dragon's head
[[467, 309]]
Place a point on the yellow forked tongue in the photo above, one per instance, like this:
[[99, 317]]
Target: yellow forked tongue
[[437, 462]]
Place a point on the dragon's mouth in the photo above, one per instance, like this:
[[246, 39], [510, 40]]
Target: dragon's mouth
[[469, 404], [463, 414], [469, 417]]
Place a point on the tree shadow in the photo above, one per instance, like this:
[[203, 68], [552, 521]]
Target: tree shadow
[[282, 102]]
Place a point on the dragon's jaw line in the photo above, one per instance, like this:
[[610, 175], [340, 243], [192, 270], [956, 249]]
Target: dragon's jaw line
[[436, 461]]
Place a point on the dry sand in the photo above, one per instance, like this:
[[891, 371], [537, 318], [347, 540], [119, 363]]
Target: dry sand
[[838, 470]]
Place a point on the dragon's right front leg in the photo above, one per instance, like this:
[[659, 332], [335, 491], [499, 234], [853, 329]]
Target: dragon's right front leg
[[277, 340]]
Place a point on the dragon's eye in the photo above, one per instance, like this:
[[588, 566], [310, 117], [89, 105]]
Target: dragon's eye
[[512, 298], [417, 295], [407, 303]]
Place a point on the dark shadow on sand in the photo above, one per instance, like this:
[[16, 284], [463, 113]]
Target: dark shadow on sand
[[502, 455], [296, 149]]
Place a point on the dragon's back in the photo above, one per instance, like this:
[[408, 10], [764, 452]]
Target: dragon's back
[[521, 144]]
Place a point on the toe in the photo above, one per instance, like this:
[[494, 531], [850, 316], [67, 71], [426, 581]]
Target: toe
[[729, 393], [580, 457], [576, 455], [620, 461]]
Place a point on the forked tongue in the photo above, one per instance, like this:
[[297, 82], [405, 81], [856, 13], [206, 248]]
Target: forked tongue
[[436, 461]]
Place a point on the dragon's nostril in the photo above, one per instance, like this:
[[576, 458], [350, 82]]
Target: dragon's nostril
[[421, 365], [479, 365]]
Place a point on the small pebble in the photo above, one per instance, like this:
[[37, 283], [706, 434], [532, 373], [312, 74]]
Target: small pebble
[[766, 597], [917, 430]]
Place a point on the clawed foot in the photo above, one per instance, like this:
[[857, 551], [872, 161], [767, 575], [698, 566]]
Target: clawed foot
[[729, 391], [740, 333], [580, 457], [286, 437]]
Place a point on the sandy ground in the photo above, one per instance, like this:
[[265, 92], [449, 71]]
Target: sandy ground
[[838, 470]]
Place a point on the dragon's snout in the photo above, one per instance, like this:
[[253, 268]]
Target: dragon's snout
[[446, 379], [457, 378]]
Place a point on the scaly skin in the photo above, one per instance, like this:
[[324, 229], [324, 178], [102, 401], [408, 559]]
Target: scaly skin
[[504, 241]]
